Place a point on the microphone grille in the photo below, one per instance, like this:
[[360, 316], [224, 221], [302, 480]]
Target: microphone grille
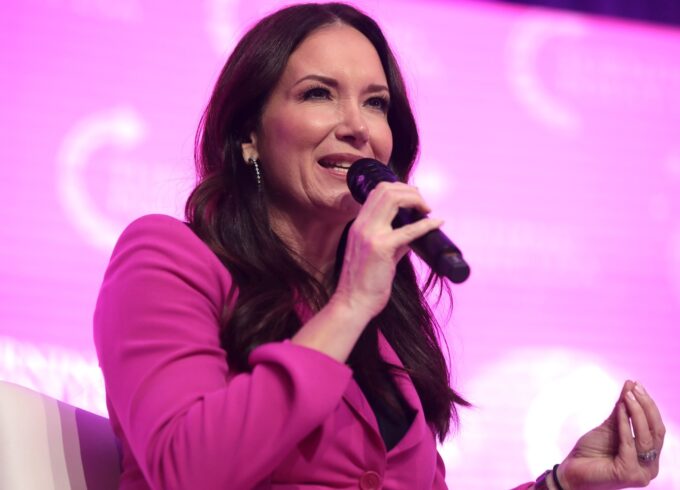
[[365, 174]]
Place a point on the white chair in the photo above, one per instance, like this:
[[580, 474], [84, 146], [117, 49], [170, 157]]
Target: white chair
[[46, 444]]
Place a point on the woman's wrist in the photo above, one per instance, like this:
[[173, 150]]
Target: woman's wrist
[[549, 480], [544, 482], [351, 314], [558, 477], [333, 330], [552, 485]]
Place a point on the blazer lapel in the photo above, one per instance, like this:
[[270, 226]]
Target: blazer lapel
[[418, 428], [355, 398], [402, 379]]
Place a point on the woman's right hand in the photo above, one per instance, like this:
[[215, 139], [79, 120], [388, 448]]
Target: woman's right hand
[[371, 254], [374, 248]]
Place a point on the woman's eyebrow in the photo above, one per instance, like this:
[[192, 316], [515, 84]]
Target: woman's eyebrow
[[319, 78], [332, 82]]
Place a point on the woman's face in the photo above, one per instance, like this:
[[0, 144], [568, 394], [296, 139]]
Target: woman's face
[[328, 109]]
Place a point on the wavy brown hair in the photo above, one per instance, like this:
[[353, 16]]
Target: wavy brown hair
[[229, 213]]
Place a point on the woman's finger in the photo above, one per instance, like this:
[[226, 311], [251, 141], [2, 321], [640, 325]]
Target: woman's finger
[[384, 201], [654, 420], [644, 442], [630, 472], [627, 448], [388, 201], [401, 237]]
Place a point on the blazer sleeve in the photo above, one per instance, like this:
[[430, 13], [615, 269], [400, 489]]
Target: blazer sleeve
[[190, 423], [440, 475]]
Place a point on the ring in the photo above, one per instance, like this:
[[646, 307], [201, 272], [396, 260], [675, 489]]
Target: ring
[[647, 456]]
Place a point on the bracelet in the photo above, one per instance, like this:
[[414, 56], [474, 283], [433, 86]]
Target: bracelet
[[557, 482], [541, 483]]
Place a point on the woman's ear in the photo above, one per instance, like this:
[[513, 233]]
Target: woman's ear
[[249, 147]]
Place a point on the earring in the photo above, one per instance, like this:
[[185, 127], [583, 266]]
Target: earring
[[256, 165]]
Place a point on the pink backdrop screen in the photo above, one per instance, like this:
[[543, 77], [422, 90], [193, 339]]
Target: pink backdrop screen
[[550, 144]]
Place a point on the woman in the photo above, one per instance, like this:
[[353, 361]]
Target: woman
[[269, 344]]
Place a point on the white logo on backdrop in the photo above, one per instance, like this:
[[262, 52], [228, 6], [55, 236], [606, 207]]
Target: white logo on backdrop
[[530, 407], [61, 373], [526, 42], [549, 63], [121, 128], [103, 187], [560, 404]]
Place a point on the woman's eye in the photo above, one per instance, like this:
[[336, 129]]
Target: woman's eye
[[380, 103], [316, 93]]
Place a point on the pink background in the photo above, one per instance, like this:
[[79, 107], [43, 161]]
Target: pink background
[[551, 144]]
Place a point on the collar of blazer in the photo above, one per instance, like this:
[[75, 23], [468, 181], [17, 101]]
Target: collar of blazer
[[355, 398]]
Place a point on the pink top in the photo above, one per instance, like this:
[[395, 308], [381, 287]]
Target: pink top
[[297, 421]]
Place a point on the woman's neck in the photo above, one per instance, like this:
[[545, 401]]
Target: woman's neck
[[314, 241]]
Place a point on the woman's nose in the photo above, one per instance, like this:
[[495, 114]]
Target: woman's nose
[[352, 126]]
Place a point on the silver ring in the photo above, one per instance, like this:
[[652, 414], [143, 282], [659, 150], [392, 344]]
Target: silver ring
[[648, 456]]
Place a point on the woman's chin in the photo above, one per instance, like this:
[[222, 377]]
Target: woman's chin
[[335, 212], [347, 207]]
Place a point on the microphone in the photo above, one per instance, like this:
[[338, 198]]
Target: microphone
[[434, 247]]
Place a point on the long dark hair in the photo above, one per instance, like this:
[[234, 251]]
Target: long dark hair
[[229, 213]]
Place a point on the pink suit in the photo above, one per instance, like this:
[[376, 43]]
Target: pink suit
[[297, 421]]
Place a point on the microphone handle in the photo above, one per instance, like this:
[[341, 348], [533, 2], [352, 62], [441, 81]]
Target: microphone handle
[[435, 249]]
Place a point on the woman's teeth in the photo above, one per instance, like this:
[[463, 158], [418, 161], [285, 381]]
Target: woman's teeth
[[342, 166]]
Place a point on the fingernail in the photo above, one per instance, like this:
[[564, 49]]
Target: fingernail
[[639, 388], [630, 396]]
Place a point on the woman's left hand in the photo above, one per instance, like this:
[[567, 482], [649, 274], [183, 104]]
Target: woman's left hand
[[610, 456]]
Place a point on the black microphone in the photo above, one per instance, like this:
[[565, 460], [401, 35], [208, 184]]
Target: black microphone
[[434, 247]]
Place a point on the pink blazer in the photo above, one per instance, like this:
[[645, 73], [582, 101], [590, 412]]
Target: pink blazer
[[297, 421]]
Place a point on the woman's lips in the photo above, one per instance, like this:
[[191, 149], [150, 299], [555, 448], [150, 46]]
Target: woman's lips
[[338, 162]]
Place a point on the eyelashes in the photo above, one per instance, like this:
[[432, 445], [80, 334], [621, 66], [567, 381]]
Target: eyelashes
[[316, 93], [380, 102], [319, 92]]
